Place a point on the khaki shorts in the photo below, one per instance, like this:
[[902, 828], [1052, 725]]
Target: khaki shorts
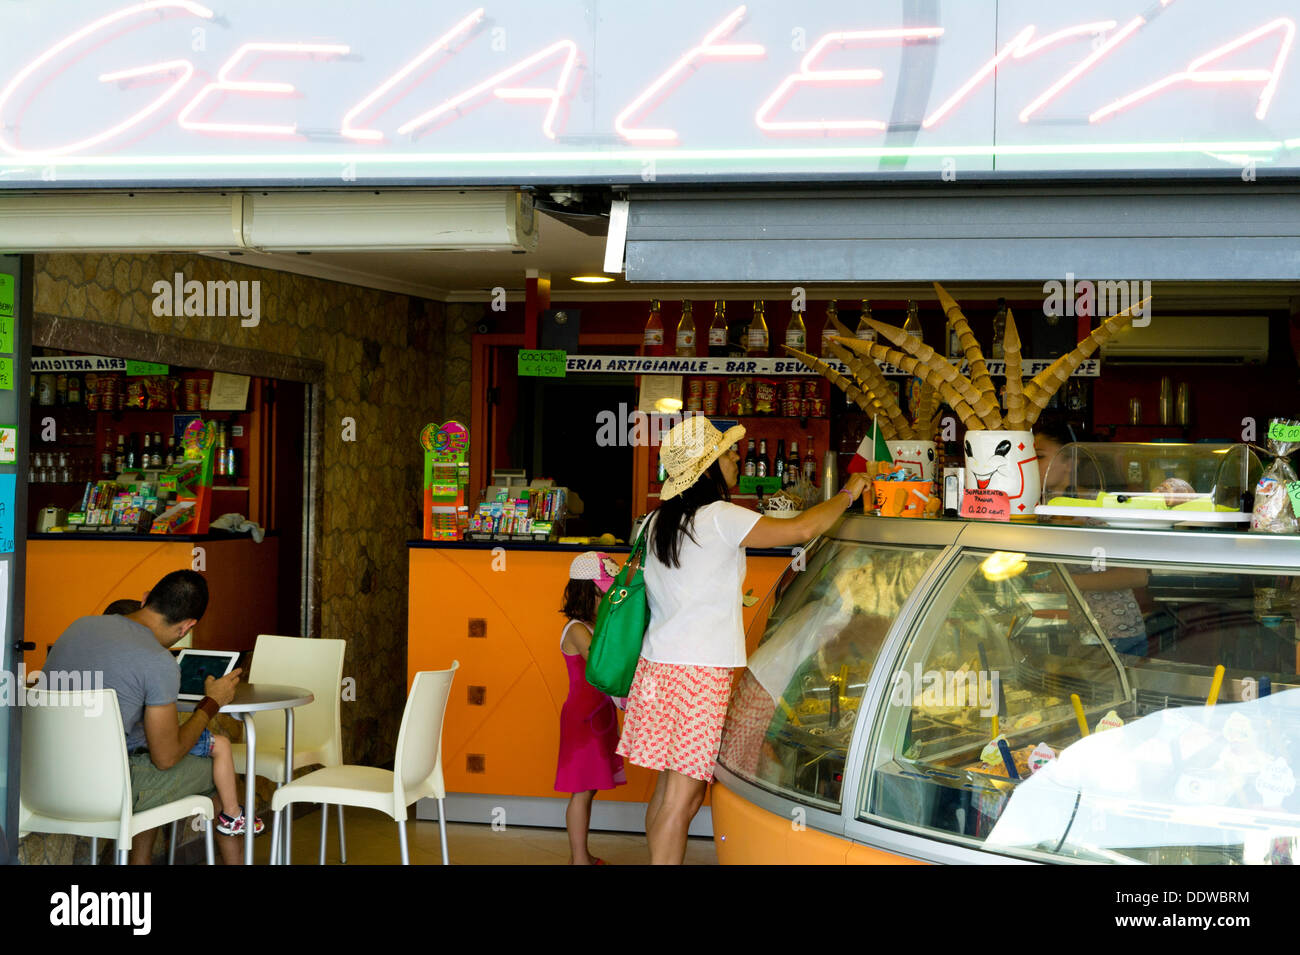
[[152, 787]]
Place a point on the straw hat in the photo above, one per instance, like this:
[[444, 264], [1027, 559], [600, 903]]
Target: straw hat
[[689, 448]]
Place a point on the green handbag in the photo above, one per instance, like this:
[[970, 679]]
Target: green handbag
[[621, 624]]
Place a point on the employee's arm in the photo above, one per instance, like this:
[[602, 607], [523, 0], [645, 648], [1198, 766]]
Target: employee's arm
[[168, 740], [788, 532]]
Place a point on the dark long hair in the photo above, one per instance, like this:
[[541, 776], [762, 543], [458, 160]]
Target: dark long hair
[[581, 600], [674, 517]]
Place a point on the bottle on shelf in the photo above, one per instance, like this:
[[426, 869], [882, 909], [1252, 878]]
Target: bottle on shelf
[[829, 331], [718, 331], [661, 474], [156, 458], [686, 332], [864, 331], [757, 342], [653, 337], [810, 463], [796, 333], [146, 451], [779, 464], [74, 389], [793, 464], [912, 324], [999, 330], [762, 468], [751, 461], [129, 455]]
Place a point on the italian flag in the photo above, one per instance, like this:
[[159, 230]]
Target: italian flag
[[871, 452]]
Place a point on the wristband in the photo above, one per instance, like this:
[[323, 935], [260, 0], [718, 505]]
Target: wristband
[[845, 490], [208, 706]]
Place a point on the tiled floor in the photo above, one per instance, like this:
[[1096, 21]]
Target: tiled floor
[[372, 840]]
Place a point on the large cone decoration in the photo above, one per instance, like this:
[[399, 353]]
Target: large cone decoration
[[973, 399]]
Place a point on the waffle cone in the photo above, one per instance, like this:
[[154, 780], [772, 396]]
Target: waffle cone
[[1015, 394]]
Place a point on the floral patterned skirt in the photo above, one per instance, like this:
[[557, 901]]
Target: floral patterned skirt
[[674, 717]]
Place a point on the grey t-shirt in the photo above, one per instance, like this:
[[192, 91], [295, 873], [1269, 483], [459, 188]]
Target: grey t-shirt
[[131, 661]]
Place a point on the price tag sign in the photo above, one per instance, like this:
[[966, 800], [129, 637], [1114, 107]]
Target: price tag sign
[[1278, 431], [6, 374], [6, 295], [7, 334], [145, 368], [986, 506], [8, 445], [549, 363], [750, 485], [1293, 492]]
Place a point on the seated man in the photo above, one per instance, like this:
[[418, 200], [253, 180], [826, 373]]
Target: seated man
[[130, 651]]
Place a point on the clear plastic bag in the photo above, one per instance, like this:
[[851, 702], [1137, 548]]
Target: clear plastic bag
[[1273, 513]]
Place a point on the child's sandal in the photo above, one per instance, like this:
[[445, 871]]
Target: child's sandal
[[228, 826]]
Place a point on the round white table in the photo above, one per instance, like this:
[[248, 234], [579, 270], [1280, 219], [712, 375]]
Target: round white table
[[253, 698]]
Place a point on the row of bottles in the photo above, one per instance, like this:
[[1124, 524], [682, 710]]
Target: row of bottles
[[756, 339], [788, 469]]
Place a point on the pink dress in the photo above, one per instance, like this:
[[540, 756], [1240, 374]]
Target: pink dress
[[588, 733]]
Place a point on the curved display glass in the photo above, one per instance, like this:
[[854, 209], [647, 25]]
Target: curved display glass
[[1065, 710], [792, 713]]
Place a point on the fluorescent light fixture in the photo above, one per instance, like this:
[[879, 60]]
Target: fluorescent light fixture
[[593, 279]]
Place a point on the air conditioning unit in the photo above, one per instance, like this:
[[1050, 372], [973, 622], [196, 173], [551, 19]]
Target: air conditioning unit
[[1192, 339], [339, 221]]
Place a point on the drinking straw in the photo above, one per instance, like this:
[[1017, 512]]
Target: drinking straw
[[1010, 763], [1078, 713], [1215, 686]]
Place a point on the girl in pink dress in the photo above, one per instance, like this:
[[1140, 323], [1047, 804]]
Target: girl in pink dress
[[588, 721]]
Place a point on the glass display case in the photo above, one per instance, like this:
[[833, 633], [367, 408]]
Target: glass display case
[[1150, 485], [1034, 693]]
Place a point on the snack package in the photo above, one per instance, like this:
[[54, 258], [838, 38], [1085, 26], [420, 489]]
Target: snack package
[[764, 397], [1273, 513]]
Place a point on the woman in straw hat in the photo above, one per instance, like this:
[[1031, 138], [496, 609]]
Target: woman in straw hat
[[694, 570]]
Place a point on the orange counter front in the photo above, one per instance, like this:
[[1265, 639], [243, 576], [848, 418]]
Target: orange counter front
[[497, 612], [69, 578]]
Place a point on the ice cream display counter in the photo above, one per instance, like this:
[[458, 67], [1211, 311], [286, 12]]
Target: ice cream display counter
[[946, 691]]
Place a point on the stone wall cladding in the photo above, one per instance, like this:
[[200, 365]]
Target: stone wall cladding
[[384, 356]]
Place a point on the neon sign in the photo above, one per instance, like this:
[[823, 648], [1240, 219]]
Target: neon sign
[[175, 91]]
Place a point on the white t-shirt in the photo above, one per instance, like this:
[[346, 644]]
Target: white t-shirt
[[695, 609]]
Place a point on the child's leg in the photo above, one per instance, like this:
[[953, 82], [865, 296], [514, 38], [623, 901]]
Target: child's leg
[[223, 775], [577, 818]]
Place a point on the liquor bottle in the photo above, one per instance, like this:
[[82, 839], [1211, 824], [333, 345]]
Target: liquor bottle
[[757, 342], [751, 461], [145, 451], [119, 460], [661, 475], [778, 466], [810, 463], [686, 333], [999, 330], [762, 468], [130, 454], [793, 464], [796, 333], [829, 331], [653, 337], [156, 458], [74, 389], [913, 323], [718, 331], [864, 332]]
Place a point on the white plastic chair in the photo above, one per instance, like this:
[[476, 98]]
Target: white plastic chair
[[317, 665], [76, 779], [417, 768]]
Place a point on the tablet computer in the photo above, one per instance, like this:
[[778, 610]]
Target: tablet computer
[[197, 665]]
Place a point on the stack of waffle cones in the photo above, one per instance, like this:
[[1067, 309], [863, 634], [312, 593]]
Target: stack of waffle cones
[[973, 399]]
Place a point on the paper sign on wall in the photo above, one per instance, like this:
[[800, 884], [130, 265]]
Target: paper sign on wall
[[548, 363], [7, 334], [229, 392], [8, 445], [986, 505], [6, 374], [8, 490], [6, 295]]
